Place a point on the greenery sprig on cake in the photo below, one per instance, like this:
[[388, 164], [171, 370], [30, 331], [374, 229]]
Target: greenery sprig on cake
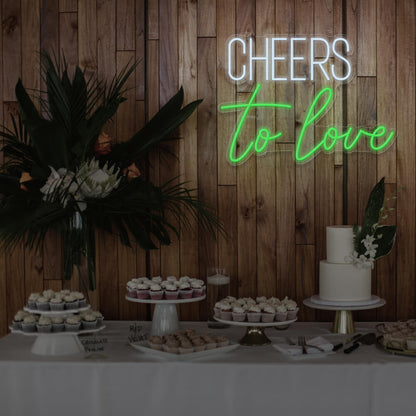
[[61, 171], [373, 240]]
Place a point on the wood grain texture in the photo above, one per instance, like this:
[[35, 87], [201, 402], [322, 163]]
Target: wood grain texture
[[274, 210]]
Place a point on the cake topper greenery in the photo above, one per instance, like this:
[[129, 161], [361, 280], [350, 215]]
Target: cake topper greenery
[[61, 171], [373, 240]]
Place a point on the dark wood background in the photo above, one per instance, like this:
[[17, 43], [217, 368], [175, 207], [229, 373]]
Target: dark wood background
[[275, 210]]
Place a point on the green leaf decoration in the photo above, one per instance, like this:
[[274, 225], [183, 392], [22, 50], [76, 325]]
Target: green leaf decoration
[[72, 190]]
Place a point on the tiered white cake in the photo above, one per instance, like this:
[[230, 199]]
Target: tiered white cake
[[340, 281]]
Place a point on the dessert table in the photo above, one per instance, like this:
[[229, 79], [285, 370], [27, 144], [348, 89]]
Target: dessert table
[[119, 380]]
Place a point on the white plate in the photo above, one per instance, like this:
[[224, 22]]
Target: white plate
[[165, 301], [316, 299], [56, 313], [143, 347], [60, 333], [256, 324]]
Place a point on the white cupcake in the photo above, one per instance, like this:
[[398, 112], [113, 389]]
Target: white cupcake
[[44, 325], [238, 314], [32, 300], [254, 313], [71, 302], [29, 323], [57, 324], [72, 323], [57, 304], [99, 316], [89, 321], [268, 313], [226, 311], [171, 279], [157, 279], [18, 319], [281, 313], [48, 294], [42, 304]]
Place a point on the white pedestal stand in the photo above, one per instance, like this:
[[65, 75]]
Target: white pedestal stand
[[343, 322], [165, 316]]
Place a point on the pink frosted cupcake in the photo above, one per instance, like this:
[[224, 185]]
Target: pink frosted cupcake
[[254, 314], [185, 291], [171, 292], [268, 314], [238, 314], [156, 292], [142, 291], [217, 310], [131, 289]]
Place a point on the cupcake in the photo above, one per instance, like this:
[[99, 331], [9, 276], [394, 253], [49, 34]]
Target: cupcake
[[184, 279], [156, 292], [226, 312], [197, 288], [157, 279], [131, 289], [71, 302], [142, 291], [57, 304], [65, 292], [73, 323], [32, 300], [29, 323], [171, 292], [254, 314], [155, 342], [261, 299], [292, 309], [18, 320], [217, 310], [185, 290], [281, 313], [99, 316], [268, 314], [48, 294], [238, 314], [44, 325], [42, 304], [171, 279], [57, 324], [79, 296], [89, 321]]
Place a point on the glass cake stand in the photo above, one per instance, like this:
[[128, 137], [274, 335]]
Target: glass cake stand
[[165, 316], [255, 335], [343, 322]]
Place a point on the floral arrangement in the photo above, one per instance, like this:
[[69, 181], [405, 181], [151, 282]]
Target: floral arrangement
[[61, 170], [372, 240]]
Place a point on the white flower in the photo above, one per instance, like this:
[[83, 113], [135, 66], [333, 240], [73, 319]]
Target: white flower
[[60, 184], [96, 182], [368, 241]]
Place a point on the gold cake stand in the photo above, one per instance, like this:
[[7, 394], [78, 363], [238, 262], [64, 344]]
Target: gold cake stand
[[255, 335], [343, 321]]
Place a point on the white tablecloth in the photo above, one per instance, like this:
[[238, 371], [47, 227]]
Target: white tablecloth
[[247, 381]]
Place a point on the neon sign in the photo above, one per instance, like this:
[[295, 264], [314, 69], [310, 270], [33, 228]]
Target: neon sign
[[378, 138], [275, 54]]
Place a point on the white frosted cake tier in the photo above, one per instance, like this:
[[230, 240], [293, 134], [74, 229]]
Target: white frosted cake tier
[[344, 282], [339, 243]]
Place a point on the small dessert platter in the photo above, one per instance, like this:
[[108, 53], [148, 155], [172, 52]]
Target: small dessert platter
[[185, 345], [255, 335], [57, 328], [165, 295], [398, 337]]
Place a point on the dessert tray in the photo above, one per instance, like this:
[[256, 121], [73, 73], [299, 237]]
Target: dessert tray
[[56, 313], [255, 335], [143, 346], [165, 316], [316, 299], [392, 350]]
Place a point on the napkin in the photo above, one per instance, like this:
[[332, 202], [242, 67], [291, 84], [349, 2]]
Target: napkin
[[296, 350]]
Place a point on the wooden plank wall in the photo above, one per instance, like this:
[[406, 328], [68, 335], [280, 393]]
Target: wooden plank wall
[[274, 210]]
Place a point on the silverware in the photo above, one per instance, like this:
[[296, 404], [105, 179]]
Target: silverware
[[367, 339], [302, 343], [343, 344]]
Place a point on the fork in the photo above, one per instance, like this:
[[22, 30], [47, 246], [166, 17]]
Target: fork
[[302, 343]]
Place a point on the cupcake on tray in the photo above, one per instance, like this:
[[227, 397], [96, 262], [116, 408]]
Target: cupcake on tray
[[44, 325], [99, 316], [18, 319], [131, 289], [171, 291], [57, 304], [58, 324], [73, 323], [79, 296], [238, 313], [32, 300], [171, 279], [226, 311], [291, 306], [157, 279], [71, 302], [29, 323], [42, 303], [185, 290], [89, 321], [197, 288], [281, 313], [268, 314], [143, 291], [156, 292], [254, 313]]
